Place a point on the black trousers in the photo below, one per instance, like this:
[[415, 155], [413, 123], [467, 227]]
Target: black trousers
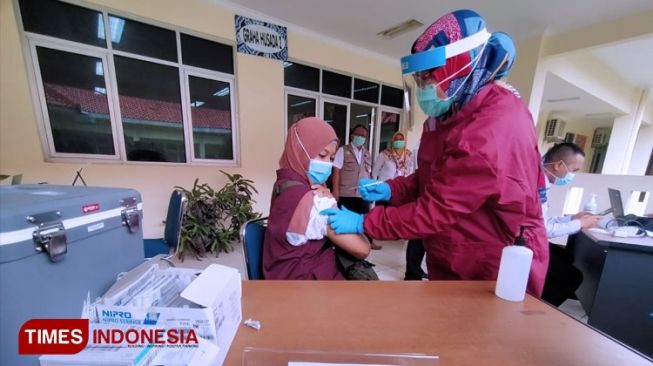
[[414, 256], [562, 278]]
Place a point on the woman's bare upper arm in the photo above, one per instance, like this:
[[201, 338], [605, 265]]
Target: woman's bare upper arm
[[355, 244]]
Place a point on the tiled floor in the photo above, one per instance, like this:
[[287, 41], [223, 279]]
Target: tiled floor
[[390, 261], [390, 266]]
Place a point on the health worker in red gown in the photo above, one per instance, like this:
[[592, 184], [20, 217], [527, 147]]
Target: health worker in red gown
[[479, 166]]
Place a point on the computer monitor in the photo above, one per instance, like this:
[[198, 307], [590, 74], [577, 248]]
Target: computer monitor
[[615, 202]]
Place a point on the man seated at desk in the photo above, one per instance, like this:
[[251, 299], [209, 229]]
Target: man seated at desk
[[560, 164]]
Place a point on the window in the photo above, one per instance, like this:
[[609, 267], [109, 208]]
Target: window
[[342, 104], [392, 97], [132, 99], [206, 54], [210, 102], [150, 104], [76, 101], [65, 21], [366, 91], [142, 39], [301, 76], [335, 114], [299, 107], [336, 84]]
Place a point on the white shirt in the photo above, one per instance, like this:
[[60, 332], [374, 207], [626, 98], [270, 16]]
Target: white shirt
[[558, 225], [415, 150], [385, 168], [339, 159], [317, 224]]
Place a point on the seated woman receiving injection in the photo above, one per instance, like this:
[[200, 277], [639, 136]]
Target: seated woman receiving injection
[[296, 245]]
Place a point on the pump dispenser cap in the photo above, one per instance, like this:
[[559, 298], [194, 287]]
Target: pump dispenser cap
[[520, 239]]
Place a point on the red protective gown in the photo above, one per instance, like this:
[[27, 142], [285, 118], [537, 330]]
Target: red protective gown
[[476, 184]]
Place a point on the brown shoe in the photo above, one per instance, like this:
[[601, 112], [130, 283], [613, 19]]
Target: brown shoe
[[376, 246]]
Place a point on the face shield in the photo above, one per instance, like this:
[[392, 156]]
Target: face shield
[[417, 68]]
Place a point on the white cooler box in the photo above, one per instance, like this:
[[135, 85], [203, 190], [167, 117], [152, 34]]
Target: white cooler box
[[58, 245]]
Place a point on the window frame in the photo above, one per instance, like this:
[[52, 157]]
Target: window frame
[[299, 93], [42, 110], [29, 42], [321, 97], [188, 120]]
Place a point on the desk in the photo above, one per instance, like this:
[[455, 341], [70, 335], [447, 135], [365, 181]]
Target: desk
[[617, 287], [463, 322]]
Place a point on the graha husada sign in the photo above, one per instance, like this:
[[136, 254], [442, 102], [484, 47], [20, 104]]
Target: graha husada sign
[[255, 37]]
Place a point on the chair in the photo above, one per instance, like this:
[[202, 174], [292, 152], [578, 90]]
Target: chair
[[172, 230], [252, 235]]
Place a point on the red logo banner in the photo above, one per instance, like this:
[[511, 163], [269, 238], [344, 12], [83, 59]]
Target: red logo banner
[[53, 336]]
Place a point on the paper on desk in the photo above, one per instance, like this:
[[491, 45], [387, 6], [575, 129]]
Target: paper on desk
[[204, 355], [331, 364]]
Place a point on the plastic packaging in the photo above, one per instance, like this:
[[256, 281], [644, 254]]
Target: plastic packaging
[[591, 206], [514, 270]]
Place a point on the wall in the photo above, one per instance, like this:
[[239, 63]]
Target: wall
[[642, 152], [524, 73], [599, 184], [573, 126], [260, 108]]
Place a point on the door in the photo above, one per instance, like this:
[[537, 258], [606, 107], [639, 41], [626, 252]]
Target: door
[[598, 158], [365, 115], [388, 124], [336, 114], [299, 105]]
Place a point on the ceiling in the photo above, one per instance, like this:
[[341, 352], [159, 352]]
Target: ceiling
[[565, 100], [632, 60], [357, 22]]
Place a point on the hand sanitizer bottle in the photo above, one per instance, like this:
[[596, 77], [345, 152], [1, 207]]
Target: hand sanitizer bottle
[[514, 270], [591, 206]]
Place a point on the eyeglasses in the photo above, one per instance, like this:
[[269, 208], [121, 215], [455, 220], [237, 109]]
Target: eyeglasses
[[424, 78]]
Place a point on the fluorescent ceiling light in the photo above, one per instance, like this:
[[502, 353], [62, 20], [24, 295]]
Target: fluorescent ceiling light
[[298, 104], [117, 25], [100, 90], [100, 27], [566, 99], [197, 103], [222, 92], [99, 70], [599, 114], [398, 29], [366, 88], [361, 115]]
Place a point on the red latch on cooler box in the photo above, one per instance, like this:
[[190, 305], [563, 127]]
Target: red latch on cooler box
[[92, 207]]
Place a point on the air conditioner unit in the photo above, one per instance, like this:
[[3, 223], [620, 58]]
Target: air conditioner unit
[[554, 131], [601, 137]]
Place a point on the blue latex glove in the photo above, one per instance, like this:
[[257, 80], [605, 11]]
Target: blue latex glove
[[344, 221], [377, 192]]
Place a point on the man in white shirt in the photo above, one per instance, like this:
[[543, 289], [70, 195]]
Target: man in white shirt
[[560, 164], [351, 164]]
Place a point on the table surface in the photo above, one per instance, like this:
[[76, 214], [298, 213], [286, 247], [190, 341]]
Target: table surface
[[600, 235], [462, 322]]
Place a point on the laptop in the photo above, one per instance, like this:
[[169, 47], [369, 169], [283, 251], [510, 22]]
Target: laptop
[[618, 210]]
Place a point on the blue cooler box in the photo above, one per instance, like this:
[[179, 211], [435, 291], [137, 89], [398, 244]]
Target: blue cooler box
[[57, 245]]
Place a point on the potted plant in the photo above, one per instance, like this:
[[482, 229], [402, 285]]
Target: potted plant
[[212, 219]]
